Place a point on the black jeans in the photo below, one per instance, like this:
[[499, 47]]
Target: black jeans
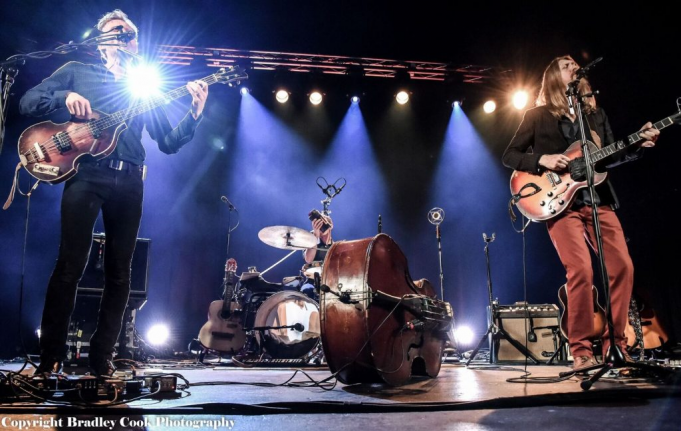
[[118, 194]]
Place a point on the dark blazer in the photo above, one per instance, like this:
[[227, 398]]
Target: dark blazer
[[540, 133]]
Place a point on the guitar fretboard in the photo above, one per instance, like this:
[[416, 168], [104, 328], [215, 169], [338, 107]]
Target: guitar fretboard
[[151, 103], [632, 139]]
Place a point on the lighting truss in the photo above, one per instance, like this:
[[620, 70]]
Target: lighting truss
[[327, 64]]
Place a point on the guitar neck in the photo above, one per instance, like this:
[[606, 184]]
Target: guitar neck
[[632, 139], [147, 105]]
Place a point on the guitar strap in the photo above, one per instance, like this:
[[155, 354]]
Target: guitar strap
[[15, 187]]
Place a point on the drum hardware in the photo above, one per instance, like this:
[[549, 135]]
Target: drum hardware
[[298, 327]]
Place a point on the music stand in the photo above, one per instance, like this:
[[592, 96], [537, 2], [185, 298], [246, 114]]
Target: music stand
[[497, 332]]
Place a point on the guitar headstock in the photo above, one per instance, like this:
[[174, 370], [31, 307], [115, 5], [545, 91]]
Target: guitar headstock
[[230, 266], [231, 76]]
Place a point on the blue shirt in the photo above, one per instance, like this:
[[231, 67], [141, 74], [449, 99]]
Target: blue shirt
[[107, 95]]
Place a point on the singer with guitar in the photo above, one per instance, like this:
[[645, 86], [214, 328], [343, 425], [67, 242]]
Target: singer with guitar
[[113, 184], [548, 130]]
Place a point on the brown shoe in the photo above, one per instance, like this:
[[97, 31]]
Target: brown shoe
[[583, 362]]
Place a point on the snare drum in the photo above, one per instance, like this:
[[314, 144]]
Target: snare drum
[[288, 308]]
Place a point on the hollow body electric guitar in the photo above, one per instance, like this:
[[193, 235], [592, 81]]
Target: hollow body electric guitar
[[52, 152], [541, 197]]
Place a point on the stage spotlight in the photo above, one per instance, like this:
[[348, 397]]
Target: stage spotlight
[[520, 99], [354, 99], [158, 335], [457, 104], [282, 96], [464, 335], [316, 97], [402, 97], [489, 106], [143, 81], [244, 91], [38, 332]]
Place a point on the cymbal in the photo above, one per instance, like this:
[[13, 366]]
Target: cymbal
[[287, 237]]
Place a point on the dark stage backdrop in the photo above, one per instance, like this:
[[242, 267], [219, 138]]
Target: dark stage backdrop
[[398, 164]]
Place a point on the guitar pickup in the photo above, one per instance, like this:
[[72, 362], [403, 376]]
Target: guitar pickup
[[40, 168], [39, 155]]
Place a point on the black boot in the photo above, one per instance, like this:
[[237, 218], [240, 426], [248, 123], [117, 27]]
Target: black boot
[[48, 365], [101, 367]]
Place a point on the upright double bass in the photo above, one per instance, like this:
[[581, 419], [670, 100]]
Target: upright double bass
[[377, 324]]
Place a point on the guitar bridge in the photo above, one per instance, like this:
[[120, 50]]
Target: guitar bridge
[[40, 168]]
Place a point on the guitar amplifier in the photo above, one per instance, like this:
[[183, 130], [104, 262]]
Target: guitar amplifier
[[536, 326], [92, 282]]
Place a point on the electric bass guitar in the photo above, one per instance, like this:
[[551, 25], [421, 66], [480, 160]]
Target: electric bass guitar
[[541, 197], [52, 152], [224, 329]]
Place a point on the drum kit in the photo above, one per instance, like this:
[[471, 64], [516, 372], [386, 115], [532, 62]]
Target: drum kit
[[279, 322]]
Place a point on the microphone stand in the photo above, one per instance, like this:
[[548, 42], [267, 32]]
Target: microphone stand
[[495, 331], [613, 358]]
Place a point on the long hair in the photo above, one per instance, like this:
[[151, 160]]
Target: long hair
[[552, 92]]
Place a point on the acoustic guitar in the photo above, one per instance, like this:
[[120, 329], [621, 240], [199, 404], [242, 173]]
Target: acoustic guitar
[[643, 329], [598, 314], [224, 331]]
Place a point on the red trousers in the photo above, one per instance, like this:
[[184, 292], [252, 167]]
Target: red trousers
[[572, 234]]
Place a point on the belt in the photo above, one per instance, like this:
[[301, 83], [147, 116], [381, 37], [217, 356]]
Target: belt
[[121, 165]]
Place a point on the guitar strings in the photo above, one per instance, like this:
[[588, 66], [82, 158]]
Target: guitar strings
[[105, 122]]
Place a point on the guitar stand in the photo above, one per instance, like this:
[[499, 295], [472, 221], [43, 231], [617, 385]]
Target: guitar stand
[[559, 348]]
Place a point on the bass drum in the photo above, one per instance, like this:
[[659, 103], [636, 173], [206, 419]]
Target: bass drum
[[288, 308]]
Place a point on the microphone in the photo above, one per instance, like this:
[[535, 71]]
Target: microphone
[[531, 336], [488, 239], [225, 200], [326, 289], [582, 71], [380, 224], [126, 36], [436, 216], [298, 327]]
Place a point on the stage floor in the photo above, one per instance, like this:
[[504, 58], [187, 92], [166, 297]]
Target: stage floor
[[478, 397]]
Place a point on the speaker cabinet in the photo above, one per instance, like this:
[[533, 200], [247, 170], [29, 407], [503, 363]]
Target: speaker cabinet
[[536, 326], [92, 282]]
